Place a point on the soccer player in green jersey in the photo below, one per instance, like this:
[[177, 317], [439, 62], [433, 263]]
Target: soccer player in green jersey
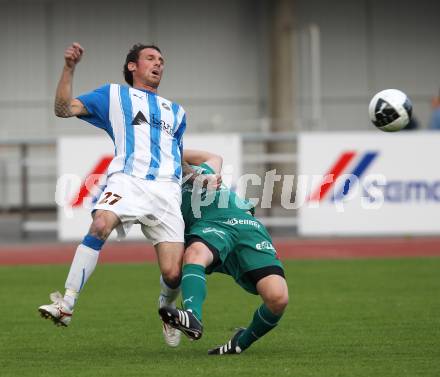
[[221, 235]]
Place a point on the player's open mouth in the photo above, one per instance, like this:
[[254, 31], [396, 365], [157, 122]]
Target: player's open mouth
[[155, 73]]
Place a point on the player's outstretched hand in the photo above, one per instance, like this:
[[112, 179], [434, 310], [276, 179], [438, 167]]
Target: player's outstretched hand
[[213, 181], [73, 54], [210, 182]]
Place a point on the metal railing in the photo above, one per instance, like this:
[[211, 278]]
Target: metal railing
[[22, 161]]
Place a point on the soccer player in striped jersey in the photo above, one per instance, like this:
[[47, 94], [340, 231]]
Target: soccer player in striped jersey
[[223, 236], [144, 177]]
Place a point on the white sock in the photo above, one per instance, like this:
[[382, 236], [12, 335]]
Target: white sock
[[70, 297], [82, 267], [168, 294]]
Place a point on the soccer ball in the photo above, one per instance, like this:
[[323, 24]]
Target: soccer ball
[[390, 110]]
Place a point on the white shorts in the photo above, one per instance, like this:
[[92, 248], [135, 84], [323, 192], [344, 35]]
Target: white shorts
[[153, 204]]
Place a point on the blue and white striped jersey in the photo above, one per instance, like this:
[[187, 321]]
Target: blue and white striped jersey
[[146, 129]]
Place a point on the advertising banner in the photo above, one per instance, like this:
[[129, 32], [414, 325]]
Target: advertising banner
[[355, 183]]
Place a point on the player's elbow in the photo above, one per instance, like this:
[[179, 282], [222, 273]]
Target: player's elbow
[[215, 161], [218, 159], [61, 114], [63, 109]]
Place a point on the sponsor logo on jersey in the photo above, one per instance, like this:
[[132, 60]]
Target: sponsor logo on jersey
[[165, 106], [235, 221], [264, 245], [140, 119]]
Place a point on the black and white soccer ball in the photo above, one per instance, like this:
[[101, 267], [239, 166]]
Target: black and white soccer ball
[[390, 110]]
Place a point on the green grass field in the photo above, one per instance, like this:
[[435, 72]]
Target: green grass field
[[345, 318]]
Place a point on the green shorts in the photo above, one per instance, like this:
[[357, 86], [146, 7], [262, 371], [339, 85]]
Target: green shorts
[[242, 243]]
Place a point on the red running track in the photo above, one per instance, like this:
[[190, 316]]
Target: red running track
[[130, 252]]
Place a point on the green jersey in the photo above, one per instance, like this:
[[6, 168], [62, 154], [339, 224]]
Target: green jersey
[[199, 203], [222, 220]]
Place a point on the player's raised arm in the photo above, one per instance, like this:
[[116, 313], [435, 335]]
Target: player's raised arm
[[214, 161], [197, 157], [65, 106]]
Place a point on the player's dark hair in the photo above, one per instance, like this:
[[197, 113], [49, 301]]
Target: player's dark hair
[[133, 56]]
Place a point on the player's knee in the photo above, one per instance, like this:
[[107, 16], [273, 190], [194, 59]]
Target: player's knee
[[277, 302], [197, 254], [192, 255], [171, 275], [100, 228]]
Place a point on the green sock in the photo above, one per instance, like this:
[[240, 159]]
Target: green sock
[[193, 288], [264, 321]]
